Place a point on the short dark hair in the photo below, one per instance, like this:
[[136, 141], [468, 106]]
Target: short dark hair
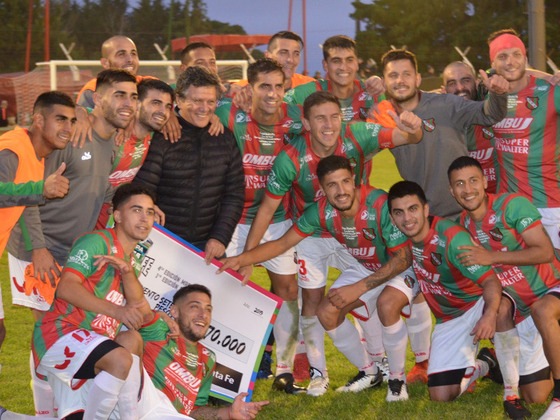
[[318, 98], [184, 291], [463, 162], [330, 164], [496, 34], [54, 97], [108, 77], [185, 57], [402, 189], [125, 191], [400, 54], [283, 35], [197, 76], [154, 84], [263, 65], [338, 41]]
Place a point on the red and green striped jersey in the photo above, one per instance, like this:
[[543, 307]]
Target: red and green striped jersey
[[370, 236], [354, 108], [180, 369], [295, 167], [450, 288], [128, 159], [127, 162], [62, 318], [480, 147], [508, 216], [259, 145], [527, 145]]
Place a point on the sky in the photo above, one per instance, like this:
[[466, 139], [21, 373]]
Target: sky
[[324, 18]]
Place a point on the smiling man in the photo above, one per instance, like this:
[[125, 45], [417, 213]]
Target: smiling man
[[199, 179], [526, 140], [513, 240], [155, 105], [340, 63], [464, 300], [261, 134]]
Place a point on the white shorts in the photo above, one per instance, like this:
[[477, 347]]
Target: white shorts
[[404, 282], [153, 404], [555, 289], [61, 362], [17, 275], [551, 223], [531, 353], [452, 345], [316, 255], [283, 263]]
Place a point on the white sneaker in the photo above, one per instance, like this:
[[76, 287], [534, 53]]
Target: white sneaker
[[383, 366], [396, 391], [553, 411], [362, 381], [318, 385]]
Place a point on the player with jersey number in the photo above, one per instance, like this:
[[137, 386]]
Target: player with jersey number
[[513, 241], [155, 104], [359, 220], [261, 135], [526, 140], [464, 300], [294, 172]]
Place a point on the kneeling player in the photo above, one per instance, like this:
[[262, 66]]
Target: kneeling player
[[464, 300], [514, 242], [357, 218]]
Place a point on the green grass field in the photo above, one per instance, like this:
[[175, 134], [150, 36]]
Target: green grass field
[[484, 403]]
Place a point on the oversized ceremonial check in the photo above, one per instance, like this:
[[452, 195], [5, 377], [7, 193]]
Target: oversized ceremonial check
[[242, 317]]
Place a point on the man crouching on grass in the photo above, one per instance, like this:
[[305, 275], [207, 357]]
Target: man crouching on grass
[[94, 370]]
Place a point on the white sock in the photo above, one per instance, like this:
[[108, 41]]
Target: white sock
[[314, 336], [507, 352], [480, 370], [346, 339], [43, 396], [419, 327], [395, 340], [103, 396], [128, 397], [286, 334], [373, 337]]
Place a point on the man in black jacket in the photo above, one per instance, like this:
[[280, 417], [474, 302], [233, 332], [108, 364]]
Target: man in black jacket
[[198, 180]]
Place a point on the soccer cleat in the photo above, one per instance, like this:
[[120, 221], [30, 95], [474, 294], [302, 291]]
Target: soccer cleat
[[396, 390], [285, 382], [419, 373], [362, 381], [383, 366], [514, 408], [301, 367], [265, 370], [2, 411], [318, 385], [553, 411], [488, 355]]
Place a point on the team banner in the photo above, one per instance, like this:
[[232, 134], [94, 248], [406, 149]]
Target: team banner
[[242, 317]]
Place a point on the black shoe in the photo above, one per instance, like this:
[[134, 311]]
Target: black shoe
[[489, 356], [285, 382], [265, 370], [514, 409]]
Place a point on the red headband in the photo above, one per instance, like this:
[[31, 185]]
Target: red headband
[[504, 42]]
